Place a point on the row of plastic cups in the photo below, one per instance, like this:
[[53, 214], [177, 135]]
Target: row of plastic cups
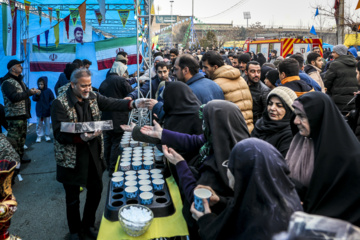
[[127, 158], [136, 165], [133, 191], [146, 198], [137, 155], [144, 177], [136, 173]]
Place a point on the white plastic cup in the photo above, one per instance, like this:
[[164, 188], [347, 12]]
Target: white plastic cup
[[199, 195], [144, 182], [124, 144], [117, 182], [155, 170], [131, 183], [131, 192], [131, 178], [137, 165], [134, 143], [118, 174], [158, 184], [145, 188], [148, 164], [146, 198], [130, 172], [144, 177], [125, 166], [157, 176], [143, 171]]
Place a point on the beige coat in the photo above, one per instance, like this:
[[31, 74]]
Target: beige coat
[[316, 76], [235, 90]]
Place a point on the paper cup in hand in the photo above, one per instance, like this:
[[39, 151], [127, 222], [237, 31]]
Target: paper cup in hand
[[199, 195]]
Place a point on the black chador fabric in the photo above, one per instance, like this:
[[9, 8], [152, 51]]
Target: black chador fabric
[[334, 186], [264, 196], [277, 133], [226, 126], [181, 108]]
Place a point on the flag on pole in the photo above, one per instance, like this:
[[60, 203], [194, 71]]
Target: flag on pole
[[312, 31], [358, 5], [9, 30], [98, 16], [50, 15], [102, 8], [47, 37], [107, 50], [27, 11], [57, 15], [56, 34], [124, 15], [52, 58], [74, 14], [317, 12], [82, 12], [308, 48], [40, 12], [66, 22], [12, 6]]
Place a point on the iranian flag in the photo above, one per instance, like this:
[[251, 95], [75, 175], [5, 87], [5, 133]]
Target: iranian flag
[[107, 50], [9, 30], [52, 58]]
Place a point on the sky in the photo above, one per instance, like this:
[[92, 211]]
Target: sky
[[268, 12]]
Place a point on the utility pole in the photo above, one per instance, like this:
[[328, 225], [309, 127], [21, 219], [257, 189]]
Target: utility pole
[[171, 14], [340, 26]]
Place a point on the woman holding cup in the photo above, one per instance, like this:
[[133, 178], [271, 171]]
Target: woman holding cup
[[264, 196]]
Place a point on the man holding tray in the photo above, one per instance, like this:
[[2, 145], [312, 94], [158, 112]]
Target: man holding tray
[[79, 157]]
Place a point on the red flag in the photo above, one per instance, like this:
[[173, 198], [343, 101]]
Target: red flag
[[67, 20], [98, 16], [12, 6], [38, 41], [336, 14]]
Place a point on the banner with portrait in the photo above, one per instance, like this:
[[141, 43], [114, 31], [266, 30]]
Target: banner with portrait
[[77, 34]]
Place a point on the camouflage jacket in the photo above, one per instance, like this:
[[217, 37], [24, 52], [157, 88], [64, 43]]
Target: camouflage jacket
[[7, 151], [13, 109], [65, 154], [63, 89]]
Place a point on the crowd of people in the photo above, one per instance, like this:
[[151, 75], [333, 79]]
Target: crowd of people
[[267, 135]]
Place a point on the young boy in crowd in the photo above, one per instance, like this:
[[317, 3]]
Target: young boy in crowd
[[43, 100]]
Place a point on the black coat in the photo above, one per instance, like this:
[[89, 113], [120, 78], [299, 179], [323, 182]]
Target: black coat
[[259, 92], [116, 87], [340, 81]]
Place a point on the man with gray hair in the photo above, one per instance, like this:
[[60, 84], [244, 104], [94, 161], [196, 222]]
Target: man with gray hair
[[340, 80], [79, 157], [17, 105]]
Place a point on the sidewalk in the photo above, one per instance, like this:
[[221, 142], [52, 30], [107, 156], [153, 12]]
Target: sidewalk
[[41, 199]]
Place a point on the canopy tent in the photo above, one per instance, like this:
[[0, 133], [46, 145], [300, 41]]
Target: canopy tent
[[110, 26], [352, 40]]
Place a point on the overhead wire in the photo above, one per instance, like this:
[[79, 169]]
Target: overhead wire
[[230, 8]]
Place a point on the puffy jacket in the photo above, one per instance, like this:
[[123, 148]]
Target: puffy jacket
[[259, 92], [340, 81], [235, 90], [44, 100], [314, 73]]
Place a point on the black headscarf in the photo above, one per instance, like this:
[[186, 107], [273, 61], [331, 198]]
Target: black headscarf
[[264, 196], [226, 126], [274, 132], [264, 71], [181, 108], [261, 59], [335, 183]]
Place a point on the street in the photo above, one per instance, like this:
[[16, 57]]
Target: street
[[41, 199]]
